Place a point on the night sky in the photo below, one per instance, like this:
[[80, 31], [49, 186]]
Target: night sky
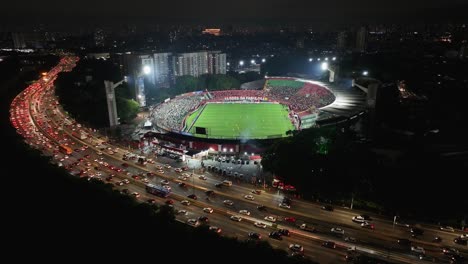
[[331, 11]]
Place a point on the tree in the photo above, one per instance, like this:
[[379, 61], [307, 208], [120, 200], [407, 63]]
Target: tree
[[127, 109], [186, 84]]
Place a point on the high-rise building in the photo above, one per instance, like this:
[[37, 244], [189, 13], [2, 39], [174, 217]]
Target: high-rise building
[[99, 38], [163, 72], [361, 39], [193, 63], [341, 40], [216, 62]]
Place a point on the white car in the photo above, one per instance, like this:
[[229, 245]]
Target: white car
[[185, 202], [182, 212], [260, 224], [447, 228], [183, 178], [270, 218], [418, 250], [249, 197], [202, 177], [244, 212], [193, 222], [296, 247], [284, 205], [358, 219], [167, 166], [178, 170], [208, 210], [215, 229], [236, 218], [337, 230], [228, 202], [164, 182]]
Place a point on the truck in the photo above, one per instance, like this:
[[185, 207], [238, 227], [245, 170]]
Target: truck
[[80, 134], [307, 228]]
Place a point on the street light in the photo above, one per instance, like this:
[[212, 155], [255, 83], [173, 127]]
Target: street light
[[263, 60], [334, 59], [365, 73], [146, 69], [252, 61], [310, 59], [324, 66], [241, 63]]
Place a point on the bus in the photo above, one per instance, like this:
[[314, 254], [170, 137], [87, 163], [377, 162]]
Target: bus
[[65, 149], [157, 190]]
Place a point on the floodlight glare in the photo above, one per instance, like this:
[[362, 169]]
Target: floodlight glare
[[241, 63], [310, 59], [326, 59], [324, 66], [263, 60], [334, 59], [318, 59], [252, 61], [146, 69], [365, 73]]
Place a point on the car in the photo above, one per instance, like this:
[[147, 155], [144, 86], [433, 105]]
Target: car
[[219, 185], [256, 191], [209, 193], [183, 178], [169, 201], [182, 212], [367, 225], [276, 235], [450, 251], [261, 208], [185, 202], [327, 208], [136, 177], [337, 230], [350, 239], [418, 250], [208, 210], [284, 232], [182, 184], [329, 244], [193, 222], [417, 231], [460, 241], [167, 187], [203, 219], [109, 178], [202, 177], [270, 218], [284, 205], [290, 219], [447, 228], [119, 183], [228, 202], [260, 224], [254, 235], [178, 170], [151, 201], [236, 218], [126, 181], [249, 197], [192, 196], [136, 194], [145, 180], [464, 236], [167, 166], [125, 165], [244, 212], [215, 229], [404, 242], [358, 219], [125, 191], [296, 247]]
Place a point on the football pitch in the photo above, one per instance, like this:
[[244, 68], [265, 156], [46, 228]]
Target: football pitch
[[241, 120]]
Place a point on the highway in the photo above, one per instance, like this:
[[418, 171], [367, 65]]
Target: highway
[[38, 117]]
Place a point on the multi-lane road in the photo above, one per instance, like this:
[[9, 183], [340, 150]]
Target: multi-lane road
[[38, 117]]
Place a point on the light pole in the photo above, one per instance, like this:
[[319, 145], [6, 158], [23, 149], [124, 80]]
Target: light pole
[[325, 66], [140, 84]]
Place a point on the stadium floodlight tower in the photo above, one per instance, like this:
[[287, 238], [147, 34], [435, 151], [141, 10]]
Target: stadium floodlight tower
[[325, 66], [140, 84]]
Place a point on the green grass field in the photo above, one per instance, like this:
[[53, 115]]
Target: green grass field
[[242, 120]]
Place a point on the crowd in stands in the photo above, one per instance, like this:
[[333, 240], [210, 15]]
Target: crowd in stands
[[172, 113], [300, 96]]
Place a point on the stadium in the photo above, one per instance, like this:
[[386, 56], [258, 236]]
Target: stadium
[[216, 119]]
